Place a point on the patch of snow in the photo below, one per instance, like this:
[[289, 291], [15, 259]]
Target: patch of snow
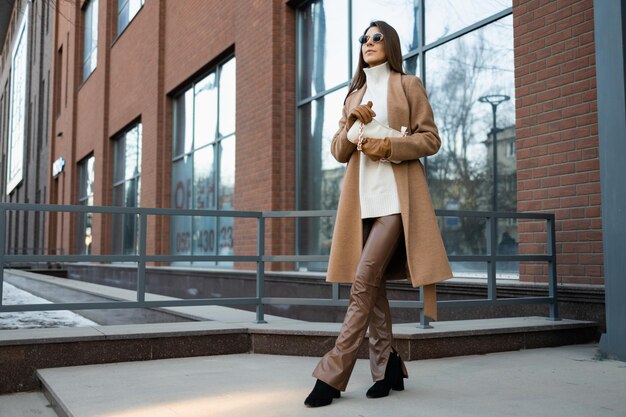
[[35, 319]]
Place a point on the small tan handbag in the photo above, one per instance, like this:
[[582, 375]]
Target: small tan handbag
[[373, 130]]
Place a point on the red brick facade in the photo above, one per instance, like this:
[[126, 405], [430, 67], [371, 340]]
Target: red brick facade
[[166, 46], [558, 167], [171, 43]]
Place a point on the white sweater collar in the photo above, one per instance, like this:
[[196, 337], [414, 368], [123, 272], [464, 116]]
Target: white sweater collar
[[378, 74]]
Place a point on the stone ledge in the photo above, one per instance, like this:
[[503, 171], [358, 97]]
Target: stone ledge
[[22, 352]]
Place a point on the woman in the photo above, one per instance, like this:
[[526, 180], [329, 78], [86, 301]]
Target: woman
[[388, 205]]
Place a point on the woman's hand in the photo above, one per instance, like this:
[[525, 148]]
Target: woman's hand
[[362, 112], [376, 149]]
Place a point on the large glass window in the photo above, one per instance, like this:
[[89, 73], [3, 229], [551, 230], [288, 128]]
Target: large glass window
[[90, 37], [127, 189], [464, 76], [323, 65], [86, 178], [203, 165], [464, 55], [126, 11], [17, 106]]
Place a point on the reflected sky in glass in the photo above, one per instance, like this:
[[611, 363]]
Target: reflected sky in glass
[[132, 165], [91, 178], [458, 73], [181, 183], [227, 174], [203, 171], [205, 111], [183, 129], [227, 92], [325, 57], [444, 17], [401, 14], [208, 105], [329, 109], [319, 122]]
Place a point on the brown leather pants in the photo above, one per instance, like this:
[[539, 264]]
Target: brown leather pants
[[368, 306]]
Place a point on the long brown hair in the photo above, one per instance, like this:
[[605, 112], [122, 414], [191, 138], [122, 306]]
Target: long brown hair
[[392, 50]]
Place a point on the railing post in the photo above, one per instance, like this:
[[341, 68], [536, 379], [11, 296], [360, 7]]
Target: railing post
[[2, 248], [335, 287], [492, 244], [260, 270], [141, 262], [424, 319], [552, 284]]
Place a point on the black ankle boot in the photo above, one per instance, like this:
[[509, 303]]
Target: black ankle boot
[[321, 395], [394, 378]]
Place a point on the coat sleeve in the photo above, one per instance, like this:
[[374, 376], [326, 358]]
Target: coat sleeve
[[341, 147], [424, 139]]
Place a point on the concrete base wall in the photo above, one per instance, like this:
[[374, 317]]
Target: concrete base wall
[[575, 302], [23, 352]]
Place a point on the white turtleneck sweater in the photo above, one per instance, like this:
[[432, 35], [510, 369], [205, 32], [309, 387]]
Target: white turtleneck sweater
[[377, 184]]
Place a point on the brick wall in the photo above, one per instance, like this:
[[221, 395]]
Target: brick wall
[[557, 135], [165, 47]]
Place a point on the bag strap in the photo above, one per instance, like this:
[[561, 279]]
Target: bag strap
[[359, 144]]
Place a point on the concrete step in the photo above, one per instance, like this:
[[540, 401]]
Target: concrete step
[[22, 352], [566, 381]]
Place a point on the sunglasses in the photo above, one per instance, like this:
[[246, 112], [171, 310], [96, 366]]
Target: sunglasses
[[376, 37]]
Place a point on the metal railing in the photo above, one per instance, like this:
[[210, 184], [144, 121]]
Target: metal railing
[[260, 258]]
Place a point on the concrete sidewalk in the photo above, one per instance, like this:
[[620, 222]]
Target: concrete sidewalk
[[564, 381]]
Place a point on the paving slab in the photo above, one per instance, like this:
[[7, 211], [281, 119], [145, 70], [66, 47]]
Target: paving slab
[[26, 404], [565, 381], [209, 312]]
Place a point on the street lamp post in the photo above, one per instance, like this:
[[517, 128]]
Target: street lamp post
[[495, 100]]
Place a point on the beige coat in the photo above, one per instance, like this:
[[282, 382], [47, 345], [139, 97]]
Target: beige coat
[[407, 105]]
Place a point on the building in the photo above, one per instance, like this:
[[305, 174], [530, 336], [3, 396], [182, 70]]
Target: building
[[232, 105], [25, 77]]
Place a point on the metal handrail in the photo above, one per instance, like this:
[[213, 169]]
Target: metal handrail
[[260, 300]]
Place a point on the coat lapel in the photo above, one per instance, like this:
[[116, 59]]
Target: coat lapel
[[398, 116], [356, 98], [397, 103]]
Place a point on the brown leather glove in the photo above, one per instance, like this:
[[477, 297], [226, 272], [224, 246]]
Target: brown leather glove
[[376, 149], [362, 112]]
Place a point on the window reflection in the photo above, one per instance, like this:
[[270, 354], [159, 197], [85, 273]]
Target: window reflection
[[181, 196], [86, 178], [457, 73], [324, 61], [203, 167], [508, 244], [403, 15], [204, 198], [204, 234], [132, 153], [461, 175], [411, 65], [227, 197], [126, 11], [227, 91], [227, 174], [444, 17], [320, 173], [205, 115], [203, 174], [183, 123], [90, 38], [127, 190]]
